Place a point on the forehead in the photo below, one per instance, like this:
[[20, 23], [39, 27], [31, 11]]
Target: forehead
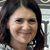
[[23, 12]]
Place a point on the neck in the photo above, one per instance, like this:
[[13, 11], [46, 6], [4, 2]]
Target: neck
[[17, 45]]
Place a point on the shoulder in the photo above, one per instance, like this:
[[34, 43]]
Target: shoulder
[[5, 47]]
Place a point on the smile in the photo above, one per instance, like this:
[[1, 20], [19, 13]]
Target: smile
[[25, 32]]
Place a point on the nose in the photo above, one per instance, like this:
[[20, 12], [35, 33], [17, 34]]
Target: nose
[[26, 26]]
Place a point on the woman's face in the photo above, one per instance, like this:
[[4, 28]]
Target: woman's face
[[23, 25]]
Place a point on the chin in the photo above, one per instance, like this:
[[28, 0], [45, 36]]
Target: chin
[[24, 41]]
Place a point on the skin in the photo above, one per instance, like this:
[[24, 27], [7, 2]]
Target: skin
[[23, 27]]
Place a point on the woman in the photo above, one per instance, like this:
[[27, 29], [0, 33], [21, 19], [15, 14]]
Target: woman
[[20, 25]]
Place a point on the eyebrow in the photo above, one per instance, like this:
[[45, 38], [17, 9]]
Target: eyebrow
[[28, 18]]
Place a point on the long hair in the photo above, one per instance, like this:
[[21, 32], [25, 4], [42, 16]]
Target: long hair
[[8, 9]]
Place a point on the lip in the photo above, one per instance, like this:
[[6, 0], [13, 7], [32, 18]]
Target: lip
[[25, 32]]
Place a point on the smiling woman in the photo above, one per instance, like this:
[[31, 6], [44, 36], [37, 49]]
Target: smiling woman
[[20, 24]]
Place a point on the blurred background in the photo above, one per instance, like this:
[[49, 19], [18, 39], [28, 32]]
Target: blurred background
[[45, 10]]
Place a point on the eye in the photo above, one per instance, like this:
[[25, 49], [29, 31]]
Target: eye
[[20, 20], [32, 21]]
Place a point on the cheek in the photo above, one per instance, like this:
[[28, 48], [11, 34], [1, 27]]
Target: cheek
[[14, 28], [34, 30], [14, 31], [35, 27]]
